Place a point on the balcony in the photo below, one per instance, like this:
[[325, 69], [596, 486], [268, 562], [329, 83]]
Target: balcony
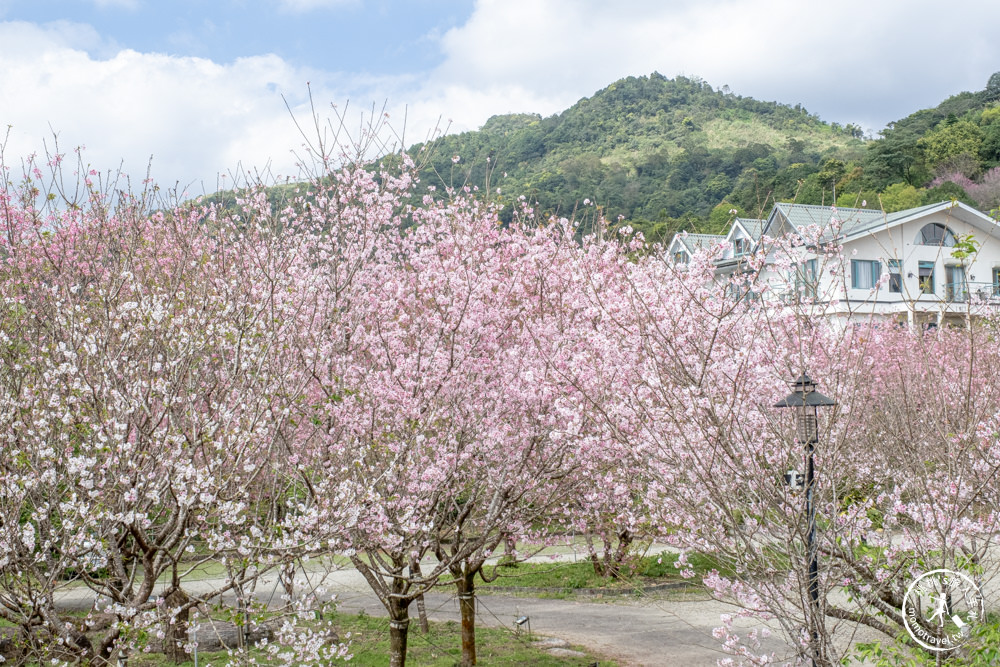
[[976, 292]]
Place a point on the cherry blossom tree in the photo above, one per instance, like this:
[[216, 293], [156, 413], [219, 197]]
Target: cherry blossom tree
[[148, 403], [442, 414], [907, 458]]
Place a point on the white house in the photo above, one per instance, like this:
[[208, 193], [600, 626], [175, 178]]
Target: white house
[[914, 266]]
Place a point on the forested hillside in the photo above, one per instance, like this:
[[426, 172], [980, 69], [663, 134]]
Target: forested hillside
[[950, 151], [667, 154], [662, 153]]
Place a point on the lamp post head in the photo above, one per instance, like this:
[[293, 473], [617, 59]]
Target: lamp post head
[[805, 399], [804, 394]]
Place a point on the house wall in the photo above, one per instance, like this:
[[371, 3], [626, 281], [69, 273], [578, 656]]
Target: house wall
[[910, 305], [901, 243]]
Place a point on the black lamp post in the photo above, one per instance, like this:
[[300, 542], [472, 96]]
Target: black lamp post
[[806, 400]]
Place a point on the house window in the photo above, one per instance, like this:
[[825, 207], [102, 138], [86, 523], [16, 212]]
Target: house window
[[954, 287], [935, 234], [680, 257], [895, 276], [926, 275], [996, 281], [741, 246], [806, 278], [865, 273]]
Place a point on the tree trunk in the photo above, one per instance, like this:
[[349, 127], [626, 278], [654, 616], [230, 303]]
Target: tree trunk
[[467, 605], [399, 621], [624, 542], [421, 607], [594, 558], [509, 559], [177, 632], [287, 578]]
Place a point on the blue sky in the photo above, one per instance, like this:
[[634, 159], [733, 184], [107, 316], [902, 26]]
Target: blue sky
[[198, 86], [380, 37]]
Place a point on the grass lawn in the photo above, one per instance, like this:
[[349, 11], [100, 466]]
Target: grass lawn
[[441, 647], [569, 577]]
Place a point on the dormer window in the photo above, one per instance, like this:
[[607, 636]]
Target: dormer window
[[741, 244], [680, 257], [935, 234]]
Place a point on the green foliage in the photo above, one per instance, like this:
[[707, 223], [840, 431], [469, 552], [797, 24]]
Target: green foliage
[[989, 149], [947, 191], [993, 87], [859, 199], [894, 157], [981, 650], [666, 155], [900, 196], [957, 135], [989, 115], [966, 246], [951, 141], [722, 217]]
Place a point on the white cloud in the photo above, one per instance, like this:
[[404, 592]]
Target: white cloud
[[857, 61], [865, 62], [194, 117]]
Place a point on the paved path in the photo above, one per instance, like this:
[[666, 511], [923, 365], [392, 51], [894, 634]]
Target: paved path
[[634, 631], [659, 631], [644, 632]]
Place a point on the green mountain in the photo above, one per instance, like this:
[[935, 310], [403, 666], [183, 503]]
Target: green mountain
[[661, 153], [667, 154]]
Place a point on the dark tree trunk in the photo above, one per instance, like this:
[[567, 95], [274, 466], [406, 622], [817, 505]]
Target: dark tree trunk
[[399, 621], [609, 563], [624, 542], [467, 605]]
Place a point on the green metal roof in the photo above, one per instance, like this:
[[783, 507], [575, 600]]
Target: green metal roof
[[857, 221], [804, 215], [754, 226], [695, 241]]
